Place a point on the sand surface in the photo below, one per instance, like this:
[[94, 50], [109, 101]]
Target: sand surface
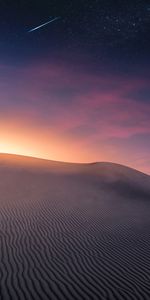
[[73, 231]]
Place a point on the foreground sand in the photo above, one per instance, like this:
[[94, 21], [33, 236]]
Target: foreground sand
[[73, 231]]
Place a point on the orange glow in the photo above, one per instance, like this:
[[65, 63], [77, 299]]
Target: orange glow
[[17, 138]]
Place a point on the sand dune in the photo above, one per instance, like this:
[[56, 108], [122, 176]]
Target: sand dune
[[73, 231]]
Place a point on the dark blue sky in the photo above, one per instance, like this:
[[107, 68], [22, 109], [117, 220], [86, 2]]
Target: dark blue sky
[[100, 32]]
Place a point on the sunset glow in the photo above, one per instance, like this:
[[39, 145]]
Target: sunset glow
[[18, 139], [82, 118]]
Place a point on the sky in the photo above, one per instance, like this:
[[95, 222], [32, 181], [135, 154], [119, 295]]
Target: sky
[[78, 88]]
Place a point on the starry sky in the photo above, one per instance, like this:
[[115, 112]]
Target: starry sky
[[77, 89]]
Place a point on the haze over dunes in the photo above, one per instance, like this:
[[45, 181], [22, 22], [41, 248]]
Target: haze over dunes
[[73, 231]]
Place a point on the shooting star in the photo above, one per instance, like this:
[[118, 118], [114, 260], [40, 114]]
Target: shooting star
[[42, 25]]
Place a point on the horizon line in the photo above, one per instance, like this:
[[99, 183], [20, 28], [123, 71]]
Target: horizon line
[[69, 162]]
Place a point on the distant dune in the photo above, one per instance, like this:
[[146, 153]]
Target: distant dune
[[73, 231]]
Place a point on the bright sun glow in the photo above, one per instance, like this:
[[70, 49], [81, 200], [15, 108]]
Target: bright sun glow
[[21, 140], [15, 149]]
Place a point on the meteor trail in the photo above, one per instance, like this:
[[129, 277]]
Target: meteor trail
[[42, 25]]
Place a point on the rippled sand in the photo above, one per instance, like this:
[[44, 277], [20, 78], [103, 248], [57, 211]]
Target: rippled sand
[[73, 231]]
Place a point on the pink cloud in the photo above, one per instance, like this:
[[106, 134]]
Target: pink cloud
[[55, 98]]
